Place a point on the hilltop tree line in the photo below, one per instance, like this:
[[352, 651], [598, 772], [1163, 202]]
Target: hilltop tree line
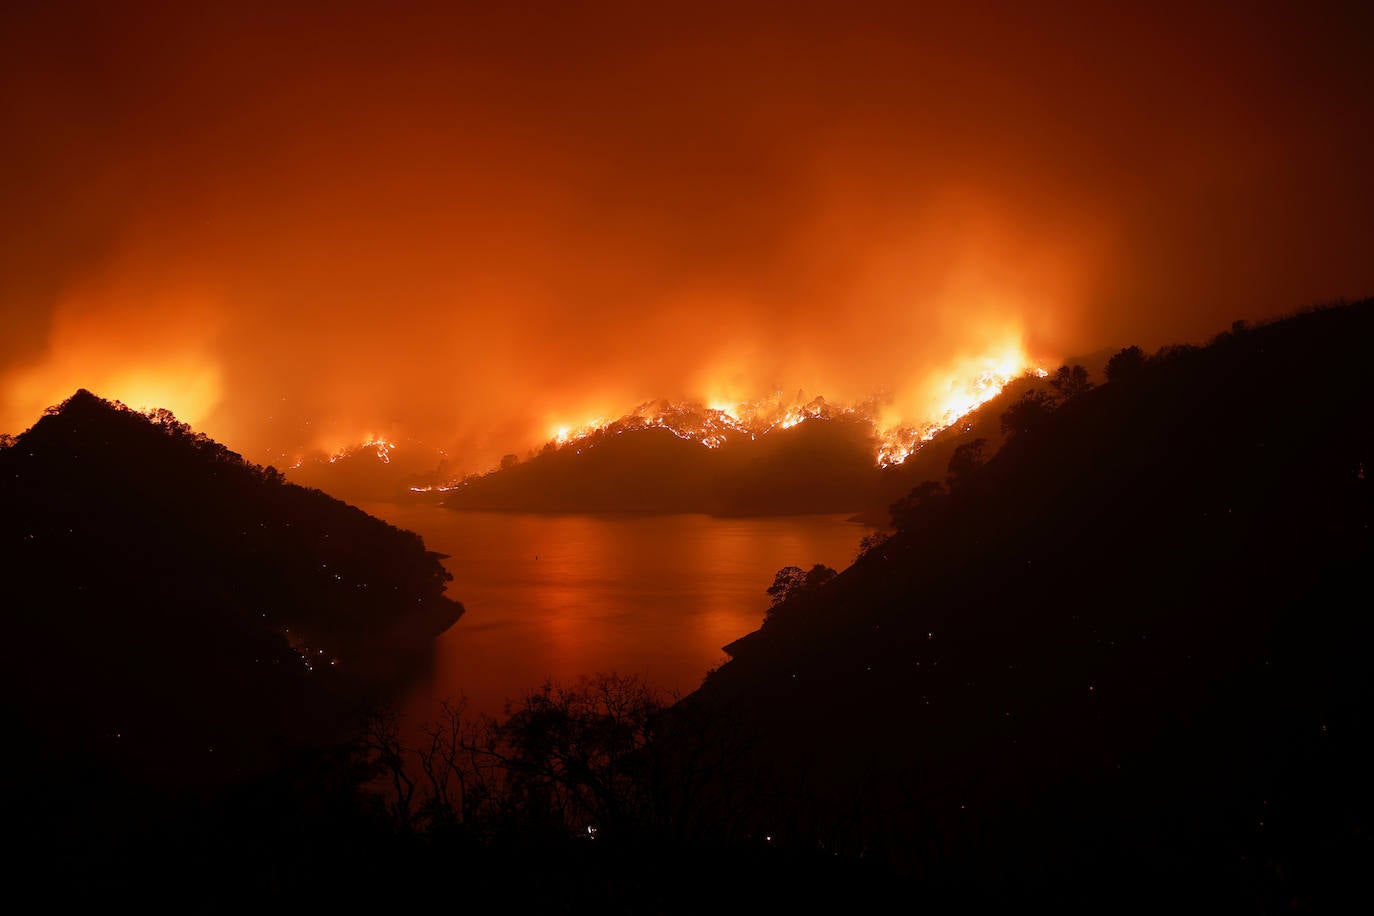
[[1026, 415]]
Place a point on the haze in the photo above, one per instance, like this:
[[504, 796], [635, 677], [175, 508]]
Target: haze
[[471, 225]]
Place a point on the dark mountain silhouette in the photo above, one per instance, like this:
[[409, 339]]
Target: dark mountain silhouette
[[1122, 666], [818, 465], [178, 612]]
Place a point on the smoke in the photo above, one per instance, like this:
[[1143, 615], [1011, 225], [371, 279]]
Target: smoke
[[471, 228], [151, 346]]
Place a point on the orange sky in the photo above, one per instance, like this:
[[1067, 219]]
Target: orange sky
[[467, 225]]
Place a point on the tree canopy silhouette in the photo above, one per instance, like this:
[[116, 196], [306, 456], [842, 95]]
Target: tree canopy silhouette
[[1028, 414], [793, 581], [1070, 381], [1126, 364]]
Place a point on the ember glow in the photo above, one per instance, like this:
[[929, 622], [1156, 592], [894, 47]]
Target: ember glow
[[381, 447], [479, 226]]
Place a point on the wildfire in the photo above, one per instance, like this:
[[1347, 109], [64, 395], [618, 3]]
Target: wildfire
[[714, 424], [383, 448], [711, 426], [960, 397], [945, 398]]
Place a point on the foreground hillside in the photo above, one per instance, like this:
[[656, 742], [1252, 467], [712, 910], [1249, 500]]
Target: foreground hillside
[[176, 611], [1125, 661]]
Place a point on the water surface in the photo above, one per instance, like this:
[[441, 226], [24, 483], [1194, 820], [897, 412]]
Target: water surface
[[558, 596]]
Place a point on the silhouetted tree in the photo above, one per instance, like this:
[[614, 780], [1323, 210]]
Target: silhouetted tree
[[580, 748], [1069, 381], [1126, 364], [382, 739], [609, 753], [787, 580], [1027, 414], [819, 575], [164, 418], [791, 581], [564, 759], [466, 785], [965, 462], [873, 541]]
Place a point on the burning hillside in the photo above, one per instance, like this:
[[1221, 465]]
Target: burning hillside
[[765, 457], [717, 438], [719, 424]]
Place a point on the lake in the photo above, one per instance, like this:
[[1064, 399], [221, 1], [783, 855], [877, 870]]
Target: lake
[[558, 596]]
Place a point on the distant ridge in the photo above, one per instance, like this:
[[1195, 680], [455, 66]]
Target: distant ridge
[[818, 465], [680, 458]]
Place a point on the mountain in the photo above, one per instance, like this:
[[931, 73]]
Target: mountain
[[1121, 666], [820, 464], [180, 613], [803, 458]]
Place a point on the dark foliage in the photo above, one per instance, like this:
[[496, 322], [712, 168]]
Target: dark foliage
[[793, 582], [919, 505], [602, 795], [1125, 365], [1028, 414], [1069, 381]]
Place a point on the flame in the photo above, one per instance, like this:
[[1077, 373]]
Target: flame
[[964, 387], [331, 451], [563, 434], [382, 447]]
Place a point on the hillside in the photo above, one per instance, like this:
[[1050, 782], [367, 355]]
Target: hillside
[[818, 465], [825, 463], [179, 612], [1123, 666]]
